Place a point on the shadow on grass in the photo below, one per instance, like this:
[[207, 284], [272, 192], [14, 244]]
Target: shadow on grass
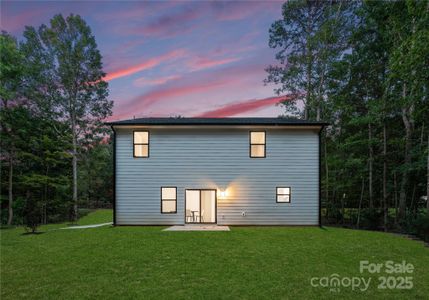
[[33, 233], [6, 227]]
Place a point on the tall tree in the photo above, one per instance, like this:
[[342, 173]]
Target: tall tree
[[70, 79], [407, 28], [310, 36], [370, 82], [11, 72]]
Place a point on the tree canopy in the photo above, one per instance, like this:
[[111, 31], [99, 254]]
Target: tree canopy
[[363, 67]]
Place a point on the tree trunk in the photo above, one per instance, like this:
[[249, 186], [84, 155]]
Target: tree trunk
[[407, 161], [395, 186], [360, 202], [413, 206], [371, 161], [10, 218], [407, 158], [385, 176], [74, 163], [45, 199], [88, 189], [334, 204], [309, 63], [427, 184], [326, 173], [308, 93]]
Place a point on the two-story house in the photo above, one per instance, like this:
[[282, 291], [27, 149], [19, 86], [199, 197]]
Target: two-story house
[[226, 171]]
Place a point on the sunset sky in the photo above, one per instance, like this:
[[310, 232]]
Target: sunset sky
[[173, 58]]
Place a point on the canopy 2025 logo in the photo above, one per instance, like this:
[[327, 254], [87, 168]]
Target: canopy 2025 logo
[[396, 277]]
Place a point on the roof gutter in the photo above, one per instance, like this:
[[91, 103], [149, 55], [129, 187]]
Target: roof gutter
[[214, 124]]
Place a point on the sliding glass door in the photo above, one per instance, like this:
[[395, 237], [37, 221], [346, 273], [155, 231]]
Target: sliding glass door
[[200, 206], [208, 206]]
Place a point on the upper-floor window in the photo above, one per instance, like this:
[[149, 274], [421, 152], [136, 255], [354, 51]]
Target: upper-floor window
[[283, 194], [257, 144], [141, 143]]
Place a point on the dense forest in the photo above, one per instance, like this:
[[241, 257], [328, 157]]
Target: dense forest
[[55, 151], [363, 67]]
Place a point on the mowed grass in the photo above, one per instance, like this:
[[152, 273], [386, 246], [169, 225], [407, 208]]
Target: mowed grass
[[98, 217], [245, 263]]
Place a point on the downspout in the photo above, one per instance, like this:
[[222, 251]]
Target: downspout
[[114, 175]]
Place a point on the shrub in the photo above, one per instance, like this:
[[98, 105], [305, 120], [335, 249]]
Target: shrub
[[371, 218], [32, 214], [422, 226], [417, 225], [84, 211], [333, 215]]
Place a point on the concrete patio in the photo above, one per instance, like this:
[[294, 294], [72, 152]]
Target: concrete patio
[[197, 227]]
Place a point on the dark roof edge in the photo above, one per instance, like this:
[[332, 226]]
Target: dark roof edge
[[323, 124], [216, 122]]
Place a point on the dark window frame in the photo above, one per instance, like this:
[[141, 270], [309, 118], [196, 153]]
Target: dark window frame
[[264, 144], [147, 144], [277, 194], [162, 200]]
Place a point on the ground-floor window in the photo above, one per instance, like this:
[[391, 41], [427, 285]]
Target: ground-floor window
[[283, 194], [168, 200]]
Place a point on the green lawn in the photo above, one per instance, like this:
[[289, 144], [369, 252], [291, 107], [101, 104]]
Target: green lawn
[[98, 217], [248, 262]]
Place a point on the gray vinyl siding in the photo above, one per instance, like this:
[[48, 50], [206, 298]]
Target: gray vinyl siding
[[190, 158]]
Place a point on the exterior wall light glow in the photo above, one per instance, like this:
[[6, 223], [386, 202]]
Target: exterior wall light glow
[[222, 194]]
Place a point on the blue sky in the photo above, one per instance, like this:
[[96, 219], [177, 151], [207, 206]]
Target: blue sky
[[169, 58]]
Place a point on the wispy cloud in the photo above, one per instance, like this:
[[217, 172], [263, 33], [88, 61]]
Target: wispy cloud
[[243, 107], [143, 81], [224, 61], [206, 63], [174, 92], [189, 17], [132, 11], [169, 24], [195, 90], [150, 63], [14, 23], [233, 11]]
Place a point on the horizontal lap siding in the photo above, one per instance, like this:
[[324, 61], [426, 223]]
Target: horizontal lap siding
[[219, 159]]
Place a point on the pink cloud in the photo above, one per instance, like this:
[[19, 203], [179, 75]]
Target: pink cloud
[[205, 63], [216, 57], [145, 65], [143, 81], [179, 22], [171, 93], [130, 45], [233, 11], [133, 11], [142, 104], [243, 107], [195, 90], [169, 24], [14, 23]]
